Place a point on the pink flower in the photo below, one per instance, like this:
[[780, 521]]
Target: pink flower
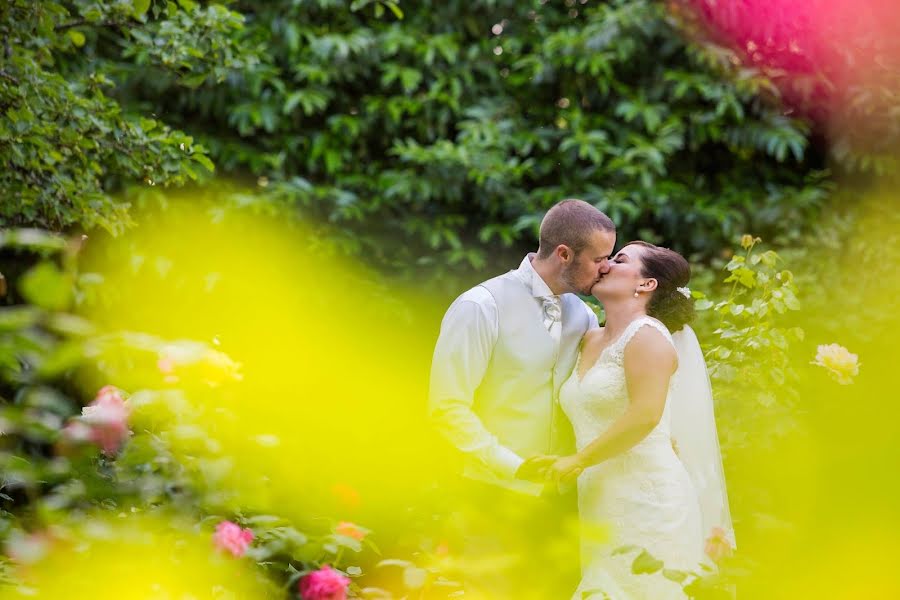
[[28, 548], [324, 584], [350, 530], [231, 538], [76, 432], [718, 546], [107, 418], [165, 365]]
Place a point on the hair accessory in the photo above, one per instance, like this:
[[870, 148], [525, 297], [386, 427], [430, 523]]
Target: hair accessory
[[684, 291]]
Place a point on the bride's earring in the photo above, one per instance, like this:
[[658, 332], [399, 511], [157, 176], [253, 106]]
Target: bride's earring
[[636, 293]]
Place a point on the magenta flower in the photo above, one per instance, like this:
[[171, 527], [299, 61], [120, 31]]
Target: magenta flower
[[231, 538], [324, 584]]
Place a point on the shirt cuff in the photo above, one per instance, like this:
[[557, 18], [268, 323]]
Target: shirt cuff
[[506, 462]]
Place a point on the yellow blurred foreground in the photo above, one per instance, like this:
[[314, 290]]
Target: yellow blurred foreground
[[133, 557]]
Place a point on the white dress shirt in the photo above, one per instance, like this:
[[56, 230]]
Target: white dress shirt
[[469, 331]]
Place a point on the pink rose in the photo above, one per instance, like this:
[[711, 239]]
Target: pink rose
[[165, 365], [107, 418], [718, 546], [324, 584], [28, 548], [76, 432], [231, 538], [350, 530]]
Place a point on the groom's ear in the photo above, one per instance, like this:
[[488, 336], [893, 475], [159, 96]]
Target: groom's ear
[[564, 253]]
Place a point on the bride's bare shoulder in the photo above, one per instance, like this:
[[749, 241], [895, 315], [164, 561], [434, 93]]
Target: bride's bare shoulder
[[649, 346]]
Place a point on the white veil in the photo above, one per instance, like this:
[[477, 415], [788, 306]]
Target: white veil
[[693, 425]]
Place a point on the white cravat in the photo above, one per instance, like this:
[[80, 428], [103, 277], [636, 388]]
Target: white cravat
[[552, 312]]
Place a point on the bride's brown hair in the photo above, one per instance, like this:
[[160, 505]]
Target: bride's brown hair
[[671, 271]]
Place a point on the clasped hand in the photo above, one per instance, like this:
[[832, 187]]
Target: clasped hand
[[550, 469]]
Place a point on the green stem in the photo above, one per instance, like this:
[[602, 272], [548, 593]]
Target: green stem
[[735, 284]]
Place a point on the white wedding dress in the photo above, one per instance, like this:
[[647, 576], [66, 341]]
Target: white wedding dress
[[643, 497]]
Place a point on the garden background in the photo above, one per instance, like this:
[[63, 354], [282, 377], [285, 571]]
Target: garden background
[[249, 217]]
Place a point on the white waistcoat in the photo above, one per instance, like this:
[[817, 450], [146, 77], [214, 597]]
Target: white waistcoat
[[518, 398]]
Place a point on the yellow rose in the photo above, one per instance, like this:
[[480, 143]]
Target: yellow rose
[[746, 241], [840, 363]]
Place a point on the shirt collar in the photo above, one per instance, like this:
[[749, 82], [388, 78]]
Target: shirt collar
[[531, 278]]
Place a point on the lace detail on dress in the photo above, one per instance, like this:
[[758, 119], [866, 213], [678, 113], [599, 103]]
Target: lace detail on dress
[[618, 347], [644, 494]]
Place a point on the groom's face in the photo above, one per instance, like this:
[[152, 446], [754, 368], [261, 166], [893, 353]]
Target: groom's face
[[591, 263]]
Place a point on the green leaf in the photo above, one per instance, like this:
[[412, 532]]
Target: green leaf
[[625, 549], [193, 81], [645, 563], [32, 239], [45, 286], [394, 562], [77, 37], [703, 304], [395, 9], [674, 575], [19, 317], [205, 161], [139, 7]]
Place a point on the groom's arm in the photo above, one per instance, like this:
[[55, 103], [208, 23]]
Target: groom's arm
[[461, 356]]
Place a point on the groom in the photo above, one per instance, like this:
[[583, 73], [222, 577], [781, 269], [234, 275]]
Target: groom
[[504, 350]]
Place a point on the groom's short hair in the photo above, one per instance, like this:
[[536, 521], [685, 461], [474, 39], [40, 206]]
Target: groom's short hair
[[571, 223]]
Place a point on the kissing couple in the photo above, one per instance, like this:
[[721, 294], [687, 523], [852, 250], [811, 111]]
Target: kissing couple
[[537, 397]]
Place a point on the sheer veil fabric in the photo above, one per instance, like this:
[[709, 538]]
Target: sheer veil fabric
[[693, 427]]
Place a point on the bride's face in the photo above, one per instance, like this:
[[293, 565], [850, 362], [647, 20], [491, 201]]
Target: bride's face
[[624, 275]]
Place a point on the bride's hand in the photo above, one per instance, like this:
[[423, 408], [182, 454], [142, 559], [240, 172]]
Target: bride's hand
[[565, 469], [535, 468]]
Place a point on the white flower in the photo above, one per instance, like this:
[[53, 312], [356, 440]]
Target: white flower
[[840, 363], [685, 291]]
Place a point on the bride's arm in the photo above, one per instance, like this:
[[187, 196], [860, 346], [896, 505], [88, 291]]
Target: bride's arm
[[649, 363]]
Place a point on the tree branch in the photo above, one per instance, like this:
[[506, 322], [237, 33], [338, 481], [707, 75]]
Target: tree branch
[[8, 77], [80, 22]]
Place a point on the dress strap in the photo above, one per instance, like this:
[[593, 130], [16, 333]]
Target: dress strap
[[636, 325]]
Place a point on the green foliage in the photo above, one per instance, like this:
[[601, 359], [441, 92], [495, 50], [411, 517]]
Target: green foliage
[[67, 142], [750, 343], [436, 142], [432, 135], [703, 583]]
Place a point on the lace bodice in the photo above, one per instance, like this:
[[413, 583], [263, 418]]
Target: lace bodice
[[642, 497], [592, 402]]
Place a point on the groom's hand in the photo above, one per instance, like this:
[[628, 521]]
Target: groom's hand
[[565, 470], [535, 468]]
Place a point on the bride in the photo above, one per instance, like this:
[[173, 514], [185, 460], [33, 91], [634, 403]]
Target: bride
[[648, 465]]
